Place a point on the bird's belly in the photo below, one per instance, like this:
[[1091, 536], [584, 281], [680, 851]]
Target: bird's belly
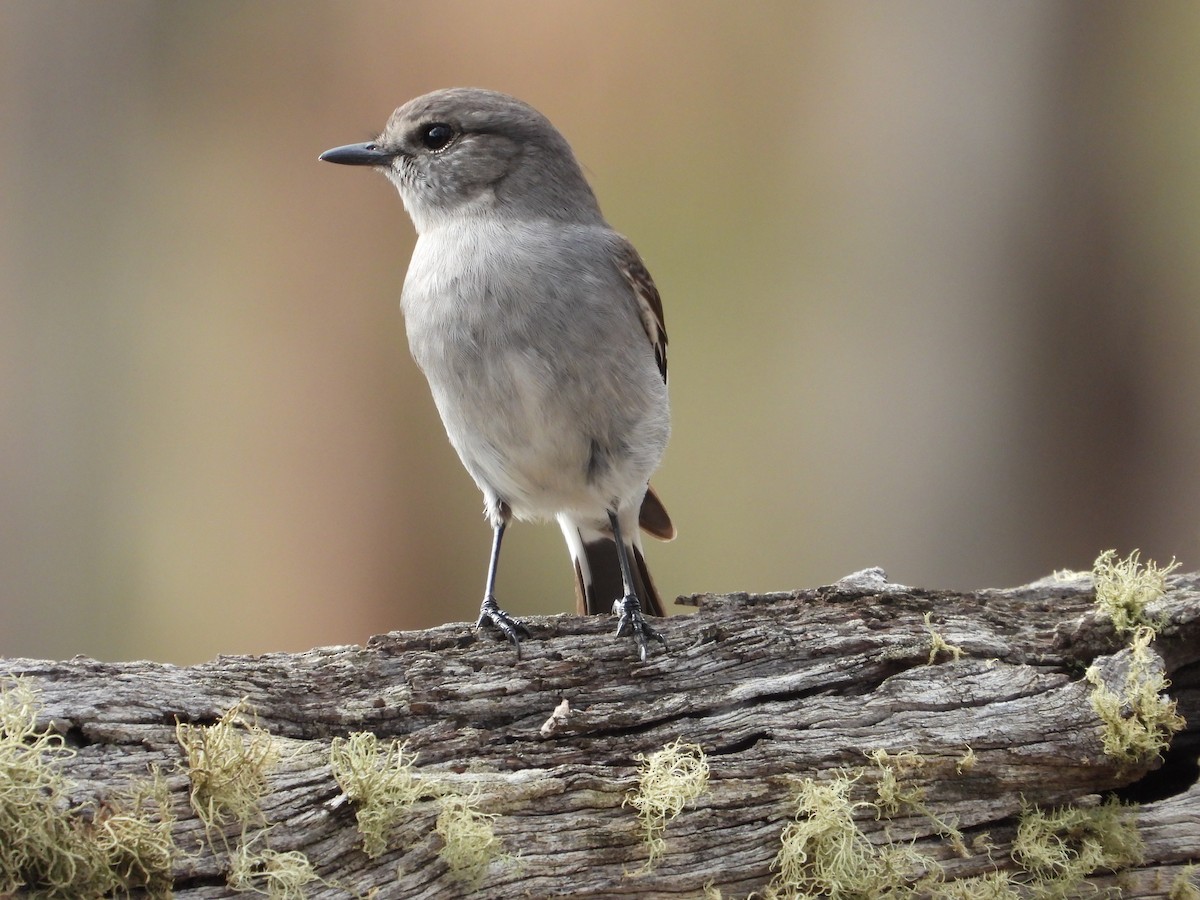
[[539, 442], [551, 397]]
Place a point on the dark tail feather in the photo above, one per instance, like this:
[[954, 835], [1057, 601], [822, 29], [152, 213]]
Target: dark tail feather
[[654, 518], [596, 595]]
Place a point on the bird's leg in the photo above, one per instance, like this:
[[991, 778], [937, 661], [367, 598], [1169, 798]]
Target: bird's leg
[[490, 613], [629, 608]]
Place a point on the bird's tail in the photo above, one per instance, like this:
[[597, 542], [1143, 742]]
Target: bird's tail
[[598, 578], [598, 569]]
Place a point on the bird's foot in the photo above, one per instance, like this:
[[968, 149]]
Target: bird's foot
[[492, 616], [632, 621]]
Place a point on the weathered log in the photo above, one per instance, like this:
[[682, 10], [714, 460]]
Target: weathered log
[[909, 742]]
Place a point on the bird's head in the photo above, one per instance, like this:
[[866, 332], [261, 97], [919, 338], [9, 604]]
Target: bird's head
[[466, 152]]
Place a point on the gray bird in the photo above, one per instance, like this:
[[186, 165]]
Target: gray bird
[[541, 335]]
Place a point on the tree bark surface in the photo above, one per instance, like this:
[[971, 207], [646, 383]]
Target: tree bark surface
[[774, 688]]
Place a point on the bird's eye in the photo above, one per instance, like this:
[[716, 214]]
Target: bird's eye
[[436, 136]]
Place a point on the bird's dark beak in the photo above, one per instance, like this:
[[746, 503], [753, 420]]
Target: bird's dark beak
[[358, 155]]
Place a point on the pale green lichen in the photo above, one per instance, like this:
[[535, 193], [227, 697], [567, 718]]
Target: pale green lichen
[[668, 780], [1184, 886], [381, 781], [54, 846], [893, 788], [966, 762], [823, 853], [227, 764], [938, 643], [38, 843], [280, 875], [1062, 847], [133, 831], [992, 886], [896, 791], [468, 837], [1139, 719], [1124, 588]]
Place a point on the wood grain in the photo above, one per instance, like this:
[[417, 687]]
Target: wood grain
[[774, 687]]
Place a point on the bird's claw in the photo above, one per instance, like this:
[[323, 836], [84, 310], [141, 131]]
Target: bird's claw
[[492, 616], [632, 621]]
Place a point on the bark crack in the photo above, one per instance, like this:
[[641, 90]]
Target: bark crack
[[779, 690]]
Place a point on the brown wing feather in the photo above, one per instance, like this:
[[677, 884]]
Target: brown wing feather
[[649, 303], [653, 517]]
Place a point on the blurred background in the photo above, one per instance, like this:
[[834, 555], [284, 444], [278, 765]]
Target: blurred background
[[931, 274]]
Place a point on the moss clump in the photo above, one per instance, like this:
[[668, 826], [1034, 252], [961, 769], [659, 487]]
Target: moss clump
[[133, 831], [227, 764], [938, 643], [823, 853], [1124, 588], [1139, 719], [966, 762], [51, 846], [1060, 848], [993, 886], [468, 836], [380, 780], [278, 875], [1184, 886], [892, 787], [39, 842], [896, 791], [668, 780]]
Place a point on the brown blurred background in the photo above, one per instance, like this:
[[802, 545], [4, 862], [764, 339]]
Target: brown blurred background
[[931, 273]]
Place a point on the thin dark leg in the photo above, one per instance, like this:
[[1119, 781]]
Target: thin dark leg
[[629, 608], [490, 613], [489, 589]]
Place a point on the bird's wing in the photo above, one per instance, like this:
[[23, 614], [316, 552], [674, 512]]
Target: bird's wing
[[649, 303], [653, 516]]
